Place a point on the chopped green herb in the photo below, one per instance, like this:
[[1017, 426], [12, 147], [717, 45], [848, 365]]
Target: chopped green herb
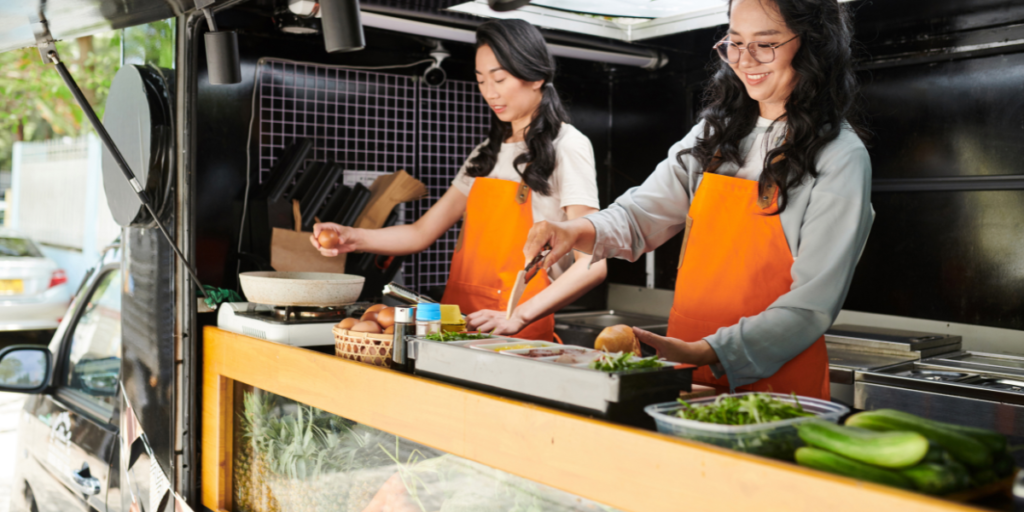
[[624, 361], [455, 336], [751, 409]]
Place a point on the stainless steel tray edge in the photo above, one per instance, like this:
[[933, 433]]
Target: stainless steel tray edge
[[582, 388]]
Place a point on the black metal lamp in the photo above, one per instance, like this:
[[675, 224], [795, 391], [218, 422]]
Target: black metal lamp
[[343, 30], [222, 63]]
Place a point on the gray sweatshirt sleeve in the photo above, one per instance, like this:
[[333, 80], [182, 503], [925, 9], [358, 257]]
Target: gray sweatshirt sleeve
[[647, 216], [832, 234], [826, 224]]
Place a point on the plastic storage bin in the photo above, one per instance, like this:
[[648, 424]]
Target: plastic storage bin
[[777, 439]]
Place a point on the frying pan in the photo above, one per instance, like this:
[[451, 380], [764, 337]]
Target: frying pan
[[301, 288]]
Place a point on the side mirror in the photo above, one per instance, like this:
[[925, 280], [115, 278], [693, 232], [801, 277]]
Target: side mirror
[[24, 368]]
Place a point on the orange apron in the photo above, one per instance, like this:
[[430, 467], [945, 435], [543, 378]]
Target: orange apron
[[489, 254], [737, 263]]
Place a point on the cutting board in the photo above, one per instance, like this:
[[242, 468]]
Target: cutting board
[[386, 193], [291, 251]]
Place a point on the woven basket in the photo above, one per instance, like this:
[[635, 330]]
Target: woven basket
[[364, 347]]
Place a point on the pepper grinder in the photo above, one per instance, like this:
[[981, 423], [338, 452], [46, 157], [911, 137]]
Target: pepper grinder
[[405, 325]]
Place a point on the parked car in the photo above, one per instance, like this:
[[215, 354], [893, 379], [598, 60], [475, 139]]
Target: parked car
[[34, 291], [67, 439]]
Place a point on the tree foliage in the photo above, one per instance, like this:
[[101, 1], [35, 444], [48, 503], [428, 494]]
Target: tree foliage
[[35, 103]]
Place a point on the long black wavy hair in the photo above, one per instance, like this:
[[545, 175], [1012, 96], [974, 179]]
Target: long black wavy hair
[[521, 51], [823, 98]]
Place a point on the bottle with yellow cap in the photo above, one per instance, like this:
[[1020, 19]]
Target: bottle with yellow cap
[[452, 319]]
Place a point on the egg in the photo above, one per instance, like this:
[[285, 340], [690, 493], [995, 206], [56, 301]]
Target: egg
[[376, 307], [370, 327], [369, 316], [386, 317], [347, 323], [390, 329], [328, 239]]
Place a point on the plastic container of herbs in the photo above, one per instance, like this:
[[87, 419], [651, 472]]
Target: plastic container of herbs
[[775, 439]]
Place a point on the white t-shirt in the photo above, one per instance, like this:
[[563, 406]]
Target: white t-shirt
[[573, 182], [764, 142]]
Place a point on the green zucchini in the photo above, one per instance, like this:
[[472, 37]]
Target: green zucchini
[[984, 476], [1003, 464], [932, 478], [936, 453], [885, 449], [968, 450], [833, 463], [963, 476], [994, 441]]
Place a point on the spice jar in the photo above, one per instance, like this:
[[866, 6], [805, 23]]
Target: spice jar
[[428, 318]]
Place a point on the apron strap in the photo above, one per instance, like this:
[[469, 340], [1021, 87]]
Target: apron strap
[[522, 193]]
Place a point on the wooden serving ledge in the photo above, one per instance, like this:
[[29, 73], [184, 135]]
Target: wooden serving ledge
[[623, 467]]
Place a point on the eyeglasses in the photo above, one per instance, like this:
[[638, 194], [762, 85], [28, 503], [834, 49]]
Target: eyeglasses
[[761, 52]]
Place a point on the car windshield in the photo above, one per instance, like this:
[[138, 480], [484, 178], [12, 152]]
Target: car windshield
[[18, 248]]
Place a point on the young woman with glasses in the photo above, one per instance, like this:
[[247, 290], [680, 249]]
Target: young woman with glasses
[[772, 191]]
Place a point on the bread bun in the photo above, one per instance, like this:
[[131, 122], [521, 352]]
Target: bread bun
[[347, 323], [618, 338], [370, 327]]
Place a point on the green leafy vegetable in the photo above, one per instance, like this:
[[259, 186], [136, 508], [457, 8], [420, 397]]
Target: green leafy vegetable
[[624, 361], [754, 408], [455, 336]]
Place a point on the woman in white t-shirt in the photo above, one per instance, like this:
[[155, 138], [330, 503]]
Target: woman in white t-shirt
[[533, 167]]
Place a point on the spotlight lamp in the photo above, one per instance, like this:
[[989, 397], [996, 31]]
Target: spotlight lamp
[[343, 30], [222, 63]]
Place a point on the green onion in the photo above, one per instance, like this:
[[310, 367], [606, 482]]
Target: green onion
[[624, 362], [751, 409], [455, 336]]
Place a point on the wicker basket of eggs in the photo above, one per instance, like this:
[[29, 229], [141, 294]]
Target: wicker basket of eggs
[[367, 339]]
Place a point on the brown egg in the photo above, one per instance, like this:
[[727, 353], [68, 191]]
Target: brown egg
[[386, 317], [390, 329], [369, 316], [376, 307], [371, 327], [347, 323], [328, 239]]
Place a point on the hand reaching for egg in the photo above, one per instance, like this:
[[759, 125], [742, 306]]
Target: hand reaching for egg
[[333, 239]]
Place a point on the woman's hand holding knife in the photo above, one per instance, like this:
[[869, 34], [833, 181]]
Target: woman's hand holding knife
[[562, 237], [579, 234]]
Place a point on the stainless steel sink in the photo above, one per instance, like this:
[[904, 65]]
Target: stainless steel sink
[[582, 328]]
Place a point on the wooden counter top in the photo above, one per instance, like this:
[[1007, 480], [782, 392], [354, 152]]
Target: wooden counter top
[[626, 468]]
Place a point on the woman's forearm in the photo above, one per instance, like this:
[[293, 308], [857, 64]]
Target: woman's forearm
[[571, 285], [394, 240], [415, 237]]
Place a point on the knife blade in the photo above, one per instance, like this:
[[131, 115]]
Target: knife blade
[[522, 278]]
